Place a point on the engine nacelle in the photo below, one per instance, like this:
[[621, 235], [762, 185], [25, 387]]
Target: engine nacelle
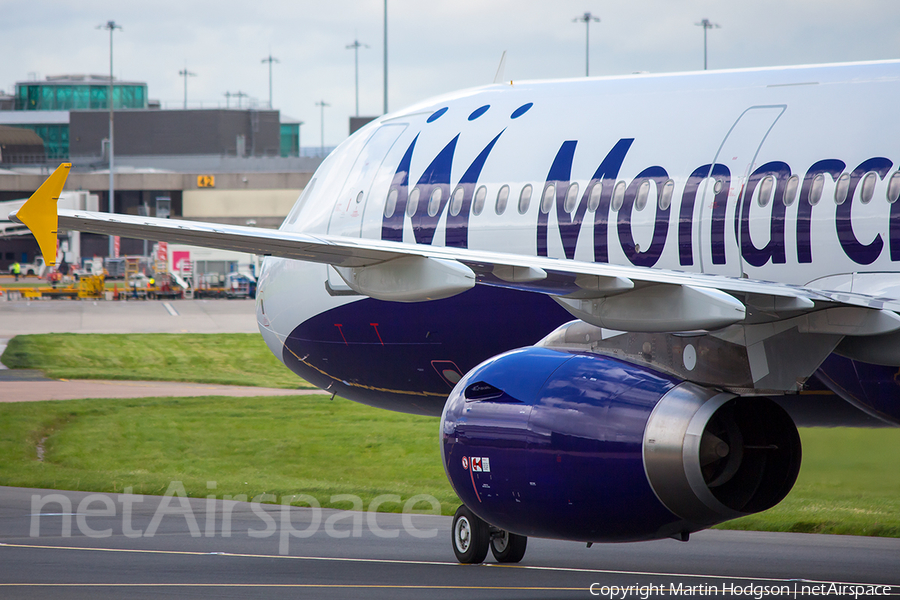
[[586, 447]]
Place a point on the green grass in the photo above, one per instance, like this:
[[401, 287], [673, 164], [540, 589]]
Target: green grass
[[849, 483], [233, 358], [313, 445], [276, 445]]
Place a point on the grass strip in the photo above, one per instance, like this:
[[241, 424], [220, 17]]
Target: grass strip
[[313, 445], [848, 484], [219, 358], [268, 445]]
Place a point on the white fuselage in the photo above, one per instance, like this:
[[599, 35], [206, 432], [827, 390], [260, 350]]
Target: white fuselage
[[784, 125]]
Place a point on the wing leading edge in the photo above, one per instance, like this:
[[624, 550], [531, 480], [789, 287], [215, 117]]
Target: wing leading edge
[[611, 296]]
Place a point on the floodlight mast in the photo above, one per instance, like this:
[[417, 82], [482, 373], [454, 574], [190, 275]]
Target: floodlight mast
[[270, 59], [706, 24], [385, 60], [111, 26], [355, 46], [185, 73], [586, 18], [322, 104]]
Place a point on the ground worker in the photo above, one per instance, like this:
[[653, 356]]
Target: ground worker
[[15, 269]]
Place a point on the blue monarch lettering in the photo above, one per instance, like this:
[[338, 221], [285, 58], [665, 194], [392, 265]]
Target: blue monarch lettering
[[863, 254], [569, 225], [774, 248], [831, 167], [640, 257], [722, 176], [436, 197], [435, 177]]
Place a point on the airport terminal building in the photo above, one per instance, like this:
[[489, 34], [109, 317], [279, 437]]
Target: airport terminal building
[[230, 165]]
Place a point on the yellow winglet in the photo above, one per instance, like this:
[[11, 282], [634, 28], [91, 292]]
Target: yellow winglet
[[39, 213]]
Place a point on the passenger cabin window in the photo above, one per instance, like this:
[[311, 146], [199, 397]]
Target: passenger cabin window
[[547, 199], [640, 202], [391, 204], [718, 186], [790, 190], [764, 191], [456, 200], [841, 189], [525, 199], [816, 189], [434, 203], [867, 189], [412, 205], [480, 197], [502, 199], [665, 198], [618, 196], [571, 198], [595, 195], [893, 188]]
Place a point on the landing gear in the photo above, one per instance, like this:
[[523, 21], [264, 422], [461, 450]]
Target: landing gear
[[508, 547], [472, 537]]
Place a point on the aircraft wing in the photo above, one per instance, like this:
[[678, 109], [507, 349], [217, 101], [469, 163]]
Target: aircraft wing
[[626, 298]]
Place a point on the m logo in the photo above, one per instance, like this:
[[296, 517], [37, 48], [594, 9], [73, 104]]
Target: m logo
[[426, 202]]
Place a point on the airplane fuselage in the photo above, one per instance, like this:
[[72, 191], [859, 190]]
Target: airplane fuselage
[[786, 175]]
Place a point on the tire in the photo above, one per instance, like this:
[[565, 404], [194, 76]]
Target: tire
[[471, 537], [508, 547]]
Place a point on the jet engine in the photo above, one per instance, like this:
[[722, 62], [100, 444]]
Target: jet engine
[[547, 443]]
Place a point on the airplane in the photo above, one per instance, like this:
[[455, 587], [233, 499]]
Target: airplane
[[619, 293]]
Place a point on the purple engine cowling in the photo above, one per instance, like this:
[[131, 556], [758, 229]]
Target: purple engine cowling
[[585, 447]]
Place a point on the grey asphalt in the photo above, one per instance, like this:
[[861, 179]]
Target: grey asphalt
[[35, 391], [132, 316], [193, 551]]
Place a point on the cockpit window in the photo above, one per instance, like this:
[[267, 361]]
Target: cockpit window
[[298, 206]]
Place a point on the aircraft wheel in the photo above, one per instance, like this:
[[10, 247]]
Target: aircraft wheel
[[471, 537], [508, 547]]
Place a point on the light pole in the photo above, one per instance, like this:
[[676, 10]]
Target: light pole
[[356, 46], [185, 73], [111, 26], [586, 18], [270, 59], [299, 145], [385, 57], [706, 24], [322, 104]]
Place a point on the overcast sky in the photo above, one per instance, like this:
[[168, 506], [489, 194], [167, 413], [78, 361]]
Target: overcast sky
[[434, 46]]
